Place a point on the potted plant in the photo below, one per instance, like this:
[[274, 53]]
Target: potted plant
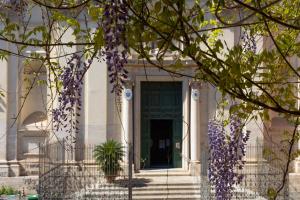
[[108, 156]]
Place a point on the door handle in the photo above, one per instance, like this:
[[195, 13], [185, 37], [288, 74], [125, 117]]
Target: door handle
[[177, 145]]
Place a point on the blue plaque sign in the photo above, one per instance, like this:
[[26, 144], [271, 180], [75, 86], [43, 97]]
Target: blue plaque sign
[[128, 94]]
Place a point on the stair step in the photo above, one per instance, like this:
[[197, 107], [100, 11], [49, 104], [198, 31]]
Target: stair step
[[162, 172], [103, 190], [169, 197], [159, 174], [167, 187], [152, 188], [165, 192], [144, 193]]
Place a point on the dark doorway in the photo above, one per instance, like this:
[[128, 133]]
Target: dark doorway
[[161, 119], [161, 143]]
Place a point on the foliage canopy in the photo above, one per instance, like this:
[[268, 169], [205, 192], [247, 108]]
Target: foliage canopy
[[261, 68]]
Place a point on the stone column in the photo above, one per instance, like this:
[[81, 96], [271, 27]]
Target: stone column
[[12, 113], [195, 128], [126, 129], [3, 114]]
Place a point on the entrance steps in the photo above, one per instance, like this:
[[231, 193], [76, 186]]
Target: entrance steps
[[294, 186], [166, 191], [171, 184]]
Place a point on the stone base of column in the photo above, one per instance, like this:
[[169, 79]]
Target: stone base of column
[[14, 168], [195, 168], [4, 169], [297, 166]]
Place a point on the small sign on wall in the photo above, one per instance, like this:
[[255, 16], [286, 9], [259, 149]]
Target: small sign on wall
[[195, 94], [128, 94]]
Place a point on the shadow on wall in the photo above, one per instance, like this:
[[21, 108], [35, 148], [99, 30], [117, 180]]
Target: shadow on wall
[[2, 104], [34, 118]]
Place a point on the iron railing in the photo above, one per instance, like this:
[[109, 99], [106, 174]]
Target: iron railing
[[70, 172]]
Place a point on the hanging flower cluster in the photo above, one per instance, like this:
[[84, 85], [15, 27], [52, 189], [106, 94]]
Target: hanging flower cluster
[[226, 156], [116, 46], [69, 100], [15, 5]]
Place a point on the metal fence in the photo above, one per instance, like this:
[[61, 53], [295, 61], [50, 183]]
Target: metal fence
[[71, 172]]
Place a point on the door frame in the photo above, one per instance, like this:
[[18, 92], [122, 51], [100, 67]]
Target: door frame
[[137, 116]]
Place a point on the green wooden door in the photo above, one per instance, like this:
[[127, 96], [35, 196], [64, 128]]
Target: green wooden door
[[161, 100]]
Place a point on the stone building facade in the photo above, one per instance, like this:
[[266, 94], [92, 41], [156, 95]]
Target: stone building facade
[[163, 116]]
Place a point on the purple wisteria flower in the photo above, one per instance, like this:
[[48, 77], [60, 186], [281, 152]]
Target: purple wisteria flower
[[226, 155], [15, 5], [116, 46], [69, 100]]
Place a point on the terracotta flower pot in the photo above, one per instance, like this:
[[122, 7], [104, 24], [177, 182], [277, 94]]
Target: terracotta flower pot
[[110, 178]]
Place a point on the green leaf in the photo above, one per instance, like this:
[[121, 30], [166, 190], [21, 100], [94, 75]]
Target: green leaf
[[157, 6]]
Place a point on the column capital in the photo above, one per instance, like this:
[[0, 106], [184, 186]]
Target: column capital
[[128, 84], [195, 84]]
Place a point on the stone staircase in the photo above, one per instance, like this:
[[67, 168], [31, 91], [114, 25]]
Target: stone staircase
[[171, 191], [171, 184], [294, 186]]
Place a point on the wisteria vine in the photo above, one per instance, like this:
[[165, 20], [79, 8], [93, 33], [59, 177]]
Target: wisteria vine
[[69, 100], [15, 5], [116, 49], [116, 46], [226, 156]]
